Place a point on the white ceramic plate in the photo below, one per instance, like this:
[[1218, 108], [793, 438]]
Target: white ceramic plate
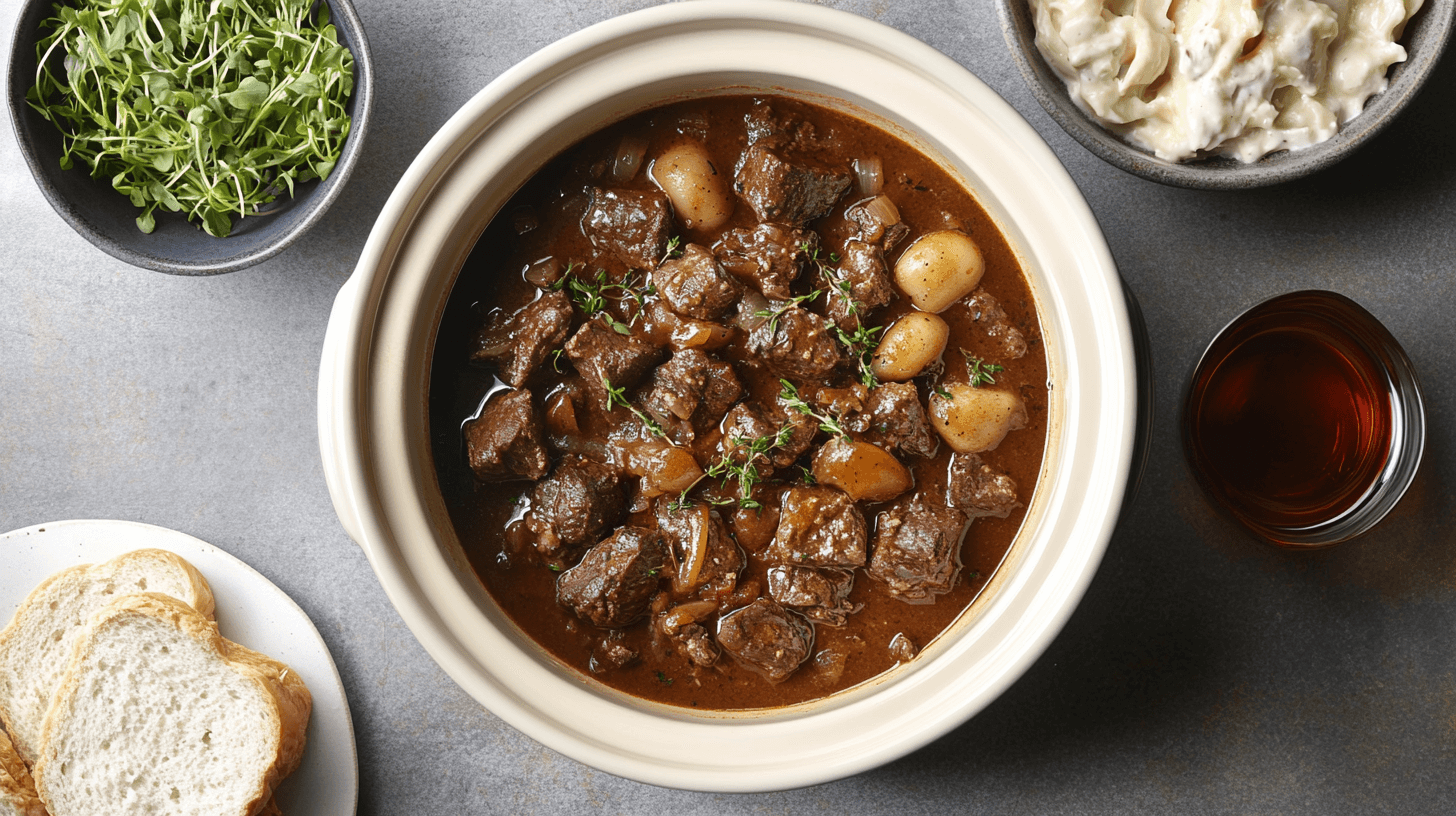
[[250, 611]]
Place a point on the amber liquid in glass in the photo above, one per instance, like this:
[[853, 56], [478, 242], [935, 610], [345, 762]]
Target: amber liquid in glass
[[1289, 420]]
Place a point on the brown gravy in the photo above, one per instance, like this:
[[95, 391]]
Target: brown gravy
[[543, 219]]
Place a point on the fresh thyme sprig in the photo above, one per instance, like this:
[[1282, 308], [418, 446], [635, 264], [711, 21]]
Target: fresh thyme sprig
[[740, 463], [979, 371], [591, 296], [674, 249], [773, 315], [618, 396], [828, 423], [862, 342]]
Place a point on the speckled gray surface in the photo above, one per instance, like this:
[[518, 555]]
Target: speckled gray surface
[[1204, 672]]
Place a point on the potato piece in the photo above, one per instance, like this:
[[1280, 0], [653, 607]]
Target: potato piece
[[698, 192], [976, 419], [939, 269], [912, 343], [862, 470]]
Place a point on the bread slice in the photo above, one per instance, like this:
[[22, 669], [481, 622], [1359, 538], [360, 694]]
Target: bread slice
[[158, 714], [36, 647], [17, 791]]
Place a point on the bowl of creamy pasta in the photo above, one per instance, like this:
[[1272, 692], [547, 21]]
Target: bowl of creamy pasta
[[1225, 95]]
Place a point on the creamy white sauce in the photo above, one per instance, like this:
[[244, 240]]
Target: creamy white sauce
[[1241, 78]]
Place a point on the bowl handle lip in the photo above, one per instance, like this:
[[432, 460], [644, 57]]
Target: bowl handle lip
[[333, 381]]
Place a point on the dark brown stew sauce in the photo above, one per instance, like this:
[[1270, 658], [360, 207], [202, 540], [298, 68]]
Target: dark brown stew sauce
[[538, 235]]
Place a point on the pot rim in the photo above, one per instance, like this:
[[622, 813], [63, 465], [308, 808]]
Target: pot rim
[[367, 416]]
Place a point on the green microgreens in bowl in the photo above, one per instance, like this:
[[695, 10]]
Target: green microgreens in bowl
[[212, 108]]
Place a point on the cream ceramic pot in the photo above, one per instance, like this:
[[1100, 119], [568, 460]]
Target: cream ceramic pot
[[375, 371]]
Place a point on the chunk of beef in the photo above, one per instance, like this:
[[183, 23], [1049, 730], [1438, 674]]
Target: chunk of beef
[[902, 648], [797, 344], [633, 225], [863, 280], [695, 284], [615, 580], [504, 442], [791, 191], [604, 356], [574, 504], [697, 645], [768, 257], [690, 392], [747, 422], [894, 418], [683, 627], [818, 527], [978, 490], [917, 550], [993, 320], [518, 344], [821, 594], [611, 653], [767, 638], [878, 223], [704, 556]]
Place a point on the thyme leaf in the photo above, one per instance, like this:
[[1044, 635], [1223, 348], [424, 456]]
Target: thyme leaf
[[773, 315], [591, 296], [828, 423], [618, 396], [740, 463], [979, 371]]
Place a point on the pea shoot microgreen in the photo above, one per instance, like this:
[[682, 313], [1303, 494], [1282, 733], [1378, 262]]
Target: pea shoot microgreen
[[211, 108], [979, 371], [827, 422], [618, 396]]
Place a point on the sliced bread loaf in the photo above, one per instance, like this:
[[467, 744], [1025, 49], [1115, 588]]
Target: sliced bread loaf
[[36, 647], [159, 714], [17, 791]]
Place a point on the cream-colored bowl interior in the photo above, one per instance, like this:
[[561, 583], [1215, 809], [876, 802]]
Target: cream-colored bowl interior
[[375, 374]]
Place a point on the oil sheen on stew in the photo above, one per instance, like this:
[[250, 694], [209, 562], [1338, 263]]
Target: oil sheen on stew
[[738, 403]]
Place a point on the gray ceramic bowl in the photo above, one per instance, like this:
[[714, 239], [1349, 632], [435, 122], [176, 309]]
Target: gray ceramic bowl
[[1425, 38], [107, 218]]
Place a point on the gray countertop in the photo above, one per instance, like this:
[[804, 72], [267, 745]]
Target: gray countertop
[[1203, 673]]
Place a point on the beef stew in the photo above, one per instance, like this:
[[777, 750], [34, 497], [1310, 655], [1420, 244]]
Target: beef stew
[[673, 432]]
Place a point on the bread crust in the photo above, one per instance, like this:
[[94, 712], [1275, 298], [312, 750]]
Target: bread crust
[[287, 720], [17, 789], [202, 600]]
